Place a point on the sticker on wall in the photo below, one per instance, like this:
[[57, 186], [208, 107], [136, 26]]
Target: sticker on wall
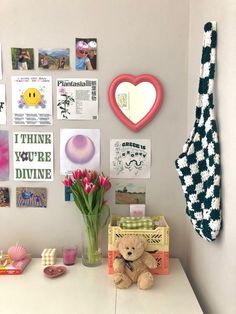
[[4, 156], [0, 62], [79, 149], [130, 158], [68, 194], [32, 100], [22, 58], [33, 156], [86, 53], [54, 59], [4, 197], [77, 99], [2, 104], [130, 193], [31, 197]]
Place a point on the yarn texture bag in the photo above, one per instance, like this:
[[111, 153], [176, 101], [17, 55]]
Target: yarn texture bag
[[198, 165]]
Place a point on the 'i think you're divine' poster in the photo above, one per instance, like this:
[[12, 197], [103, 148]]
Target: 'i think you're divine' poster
[[33, 156]]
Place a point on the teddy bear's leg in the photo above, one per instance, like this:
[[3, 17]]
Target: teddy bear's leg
[[145, 280], [122, 281]]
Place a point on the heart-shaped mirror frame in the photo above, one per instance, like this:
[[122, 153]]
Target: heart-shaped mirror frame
[[135, 80]]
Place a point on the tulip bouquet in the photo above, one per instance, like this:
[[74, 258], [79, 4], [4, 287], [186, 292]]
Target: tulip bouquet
[[88, 188]]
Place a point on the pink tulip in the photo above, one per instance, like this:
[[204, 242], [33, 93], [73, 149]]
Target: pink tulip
[[93, 188], [85, 181], [108, 186], [104, 182], [89, 187], [67, 181], [90, 175], [78, 174]]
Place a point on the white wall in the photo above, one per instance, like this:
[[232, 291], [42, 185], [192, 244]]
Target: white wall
[[211, 267], [133, 37]]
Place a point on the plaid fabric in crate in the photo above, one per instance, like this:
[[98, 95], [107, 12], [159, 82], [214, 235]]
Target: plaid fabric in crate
[[199, 164], [136, 223]]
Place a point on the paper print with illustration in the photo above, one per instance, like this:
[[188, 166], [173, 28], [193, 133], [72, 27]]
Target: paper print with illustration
[[4, 155], [2, 104], [130, 193], [54, 59], [130, 158], [4, 197], [31, 197], [32, 100], [33, 156], [77, 99], [79, 149], [0, 62], [22, 58], [86, 53]]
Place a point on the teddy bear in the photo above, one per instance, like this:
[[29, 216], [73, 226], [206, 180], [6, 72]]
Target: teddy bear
[[133, 263]]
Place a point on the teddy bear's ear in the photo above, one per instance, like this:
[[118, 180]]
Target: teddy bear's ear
[[144, 241]]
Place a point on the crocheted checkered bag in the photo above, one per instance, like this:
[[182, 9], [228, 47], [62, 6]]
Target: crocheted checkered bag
[[199, 164]]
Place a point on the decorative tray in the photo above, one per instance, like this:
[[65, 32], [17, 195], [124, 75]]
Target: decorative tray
[[54, 271]]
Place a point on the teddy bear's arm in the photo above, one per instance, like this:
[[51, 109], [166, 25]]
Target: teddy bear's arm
[[119, 265], [149, 260]]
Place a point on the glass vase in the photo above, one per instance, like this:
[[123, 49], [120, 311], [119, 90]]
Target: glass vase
[[91, 240]]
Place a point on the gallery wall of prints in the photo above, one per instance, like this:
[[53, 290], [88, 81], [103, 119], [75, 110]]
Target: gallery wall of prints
[[76, 99], [55, 117]]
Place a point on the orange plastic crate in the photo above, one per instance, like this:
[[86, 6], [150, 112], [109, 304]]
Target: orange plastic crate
[[162, 258]]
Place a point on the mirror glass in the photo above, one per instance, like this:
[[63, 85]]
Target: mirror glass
[[135, 101]]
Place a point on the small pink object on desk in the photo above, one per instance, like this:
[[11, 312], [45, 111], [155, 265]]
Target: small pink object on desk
[[137, 210], [69, 255], [54, 271]]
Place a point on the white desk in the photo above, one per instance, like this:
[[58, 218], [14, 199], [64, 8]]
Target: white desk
[[84, 290]]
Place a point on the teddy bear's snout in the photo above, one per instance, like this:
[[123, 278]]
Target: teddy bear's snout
[[129, 253]]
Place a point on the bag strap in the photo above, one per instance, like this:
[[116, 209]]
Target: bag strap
[[207, 69]]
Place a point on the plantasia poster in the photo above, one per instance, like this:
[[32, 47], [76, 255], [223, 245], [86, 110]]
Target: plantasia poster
[[33, 156], [77, 99]]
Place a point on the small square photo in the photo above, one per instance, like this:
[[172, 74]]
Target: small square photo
[[22, 58], [86, 53]]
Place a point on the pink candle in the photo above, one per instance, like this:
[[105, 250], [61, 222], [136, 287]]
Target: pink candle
[[69, 255]]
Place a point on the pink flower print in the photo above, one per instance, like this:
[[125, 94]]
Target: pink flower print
[[4, 156]]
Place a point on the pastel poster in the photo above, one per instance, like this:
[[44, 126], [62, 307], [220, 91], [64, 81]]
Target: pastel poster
[[32, 100], [79, 149], [4, 156]]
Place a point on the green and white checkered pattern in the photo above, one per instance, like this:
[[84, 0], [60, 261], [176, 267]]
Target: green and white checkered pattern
[[198, 165], [136, 223]]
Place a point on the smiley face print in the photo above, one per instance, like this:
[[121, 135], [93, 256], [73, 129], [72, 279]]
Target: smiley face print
[[32, 96]]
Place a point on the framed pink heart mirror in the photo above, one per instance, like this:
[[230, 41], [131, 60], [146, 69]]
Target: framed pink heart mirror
[[135, 100]]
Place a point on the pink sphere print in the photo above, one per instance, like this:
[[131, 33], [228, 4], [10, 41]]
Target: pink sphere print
[[80, 149]]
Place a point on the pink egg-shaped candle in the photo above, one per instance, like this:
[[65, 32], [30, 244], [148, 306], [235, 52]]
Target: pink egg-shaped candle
[[17, 252]]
